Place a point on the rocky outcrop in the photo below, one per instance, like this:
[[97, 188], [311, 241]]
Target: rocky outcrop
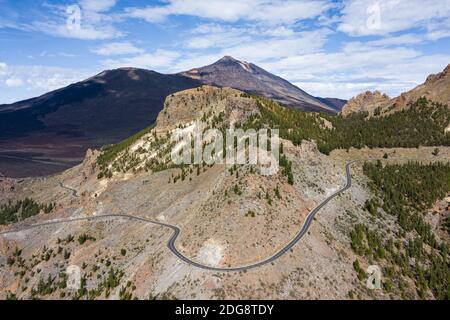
[[205, 104], [436, 88], [89, 163], [366, 102]]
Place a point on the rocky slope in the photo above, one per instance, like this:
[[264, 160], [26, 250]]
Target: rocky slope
[[436, 88]]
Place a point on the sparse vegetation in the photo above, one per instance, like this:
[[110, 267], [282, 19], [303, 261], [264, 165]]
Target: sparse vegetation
[[110, 152], [84, 237], [237, 190]]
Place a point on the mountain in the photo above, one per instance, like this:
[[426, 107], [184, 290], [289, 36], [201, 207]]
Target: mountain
[[43, 134], [436, 88], [335, 103], [244, 76], [111, 105], [46, 134]]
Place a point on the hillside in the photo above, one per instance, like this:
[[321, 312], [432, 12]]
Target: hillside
[[423, 123], [121, 200]]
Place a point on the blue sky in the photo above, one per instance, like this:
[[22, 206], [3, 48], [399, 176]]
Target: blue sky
[[329, 48]]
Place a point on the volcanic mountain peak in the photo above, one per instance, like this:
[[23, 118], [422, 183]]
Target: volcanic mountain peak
[[228, 58], [245, 76], [231, 61], [225, 64]]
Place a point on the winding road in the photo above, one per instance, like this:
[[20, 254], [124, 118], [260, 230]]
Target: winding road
[[176, 230], [74, 192]]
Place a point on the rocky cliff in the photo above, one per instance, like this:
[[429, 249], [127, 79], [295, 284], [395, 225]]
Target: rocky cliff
[[366, 102], [436, 88]]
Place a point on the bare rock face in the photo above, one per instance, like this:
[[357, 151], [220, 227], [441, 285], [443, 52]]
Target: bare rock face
[[89, 163], [187, 106], [366, 102]]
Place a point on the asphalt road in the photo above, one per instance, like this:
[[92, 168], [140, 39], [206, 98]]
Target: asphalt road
[[176, 231]]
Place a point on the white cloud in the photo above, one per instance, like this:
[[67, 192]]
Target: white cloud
[[14, 82], [94, 21], [358, 67], [267, 11], [274, 48], [369, 17], [66, 55], [298, 40], [85, 33], [3, 67], [158, 59], [256, 43], [41, 79], [97, 5], [405, 39], [117, 48], [216, 36]]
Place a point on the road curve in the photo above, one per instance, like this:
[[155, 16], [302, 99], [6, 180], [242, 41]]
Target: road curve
[[176, 230], [74, 192]]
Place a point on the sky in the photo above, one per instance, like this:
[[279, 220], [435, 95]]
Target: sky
[[330, 48]]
